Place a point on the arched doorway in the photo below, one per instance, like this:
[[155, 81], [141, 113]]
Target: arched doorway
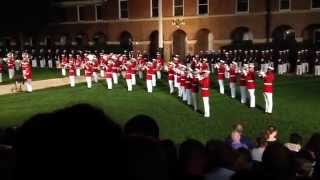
[[311, 35], [126, 41], [204, 40], [99, 39], [81, 40], [154, 43], [179, 43], [242, 37], [283, 37]]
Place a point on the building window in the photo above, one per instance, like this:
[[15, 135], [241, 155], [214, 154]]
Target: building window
[[242, 5], [178, 7], [98, 12], [154, 8], [81, 13], [284, 4], [315, 4], [123, 10], [203, 7]]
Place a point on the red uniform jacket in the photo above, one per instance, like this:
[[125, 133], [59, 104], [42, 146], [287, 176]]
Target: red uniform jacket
[[188, 84], [72, 70], [268, 82], [109, 69], [129, 72], [182, 80], [233, 75], [150, 72], [205, 87], [171, 74], [88, 70], [28, 73], [243, 80], [250, 78], [195, 85], [220, 72], [11, 63], [1, 67]]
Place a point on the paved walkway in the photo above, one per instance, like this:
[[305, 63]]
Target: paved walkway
[[41, 84]]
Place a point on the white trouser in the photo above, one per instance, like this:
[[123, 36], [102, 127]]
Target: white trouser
[[243, 92], [306, 65], [189, 96], [63, 72], [268, 101], [42, 63], [115, 78], [102, 73], [140, 75], [95, 77], [299, 70], [233, 89], [133, 79], [159, 75], [11, 73], [50, 64], [89, 81], [149, 86], [0, 77], [72, 81], [78, 72], [317, 70], [252, 98], [175, 81], [154, 80], [109, 83], [171, 86], [34, 63], [29, 85], [179, 90], [279, 69], [129, 84], [195, 101], [184, 94], [206, 106], [221, 86]]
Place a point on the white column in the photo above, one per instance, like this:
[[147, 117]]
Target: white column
[[160, 25]]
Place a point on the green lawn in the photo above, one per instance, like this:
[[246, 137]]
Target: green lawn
[[296, 108], [37, 74]]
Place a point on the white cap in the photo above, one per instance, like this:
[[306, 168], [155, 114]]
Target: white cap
[[271, 68]]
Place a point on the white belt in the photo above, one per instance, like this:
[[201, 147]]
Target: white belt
[[149, 74], [232, 76], [250, 81], [268, 84], [220, 73], [205, 89]]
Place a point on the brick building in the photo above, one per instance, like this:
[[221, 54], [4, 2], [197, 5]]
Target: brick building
[[181, 26]]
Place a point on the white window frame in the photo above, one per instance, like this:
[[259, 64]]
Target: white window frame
[[120, 9], [151, 9], [311, 6], [173, 10], [198, 5], [285, 9], [96, 12], [242, 12], [78, 13]]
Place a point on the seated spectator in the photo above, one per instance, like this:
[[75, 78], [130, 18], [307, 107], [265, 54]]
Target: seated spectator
[[142, 125], [244, 160], [172, 157], [78, 142], [221, 161], [256, 153], [294, 143], [243, 139], [146, 159], [278, 162], [271, 134], [235, 141], [192, 160]]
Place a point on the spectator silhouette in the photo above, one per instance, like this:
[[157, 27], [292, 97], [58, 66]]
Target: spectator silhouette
[[142, 125], [72, 143]]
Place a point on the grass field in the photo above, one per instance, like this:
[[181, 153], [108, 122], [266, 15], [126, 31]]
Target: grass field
[[296, 108]]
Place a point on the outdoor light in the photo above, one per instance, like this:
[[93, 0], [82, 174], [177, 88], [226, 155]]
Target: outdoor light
[[178, 22]]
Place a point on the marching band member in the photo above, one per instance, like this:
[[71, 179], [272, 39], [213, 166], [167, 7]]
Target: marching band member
[[95, 69], [1, 69], [268, 79], [64, 62], [251, 85], [101, 61], [233, 78], [204, 80], [49, 58], [128, 76], [243, 84], [27, 73], [88, 70], [188, 86], [171, 77], [317, 64], [221, 68], [141, 64], [11, 65], [150, 71], [195, 89], [134, 71], [78, 65], [72, 72], [115, 69], [108, 75], [160, 63], [154, 78], [183, 76]]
